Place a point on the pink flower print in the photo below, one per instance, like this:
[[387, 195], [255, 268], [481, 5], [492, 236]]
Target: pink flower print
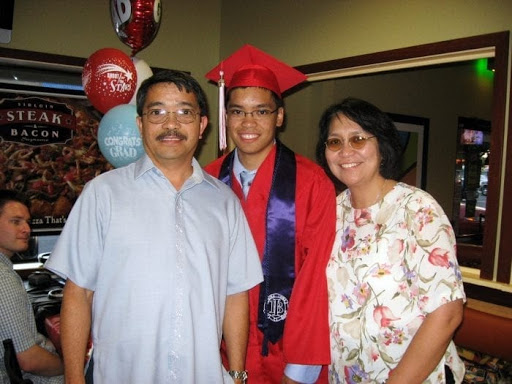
[[439, 257], [374, 353], [364, 246], [336, 334], [383, 316], [412, 244], [395, 249], [398, 336], [361, 292], [414, 291], [403, 287], [393, 336], [422, 303], [362, 217], [424, 216], [347, 239], [381, 270], [386, 338]]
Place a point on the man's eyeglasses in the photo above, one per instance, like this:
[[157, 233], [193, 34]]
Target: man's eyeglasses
[[159, 116], [258, 114], [356, 142]]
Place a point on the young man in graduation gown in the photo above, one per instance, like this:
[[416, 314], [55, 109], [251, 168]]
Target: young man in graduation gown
[[290, 205]]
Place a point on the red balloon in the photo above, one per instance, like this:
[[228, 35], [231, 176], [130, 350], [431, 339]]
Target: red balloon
[[136, 22], [109, 78]]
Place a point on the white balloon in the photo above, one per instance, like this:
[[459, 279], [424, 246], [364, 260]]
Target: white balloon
[[143, 72]]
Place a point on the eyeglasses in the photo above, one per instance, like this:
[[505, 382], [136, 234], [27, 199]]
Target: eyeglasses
[[258, 114], [159, 116], [355, 142]]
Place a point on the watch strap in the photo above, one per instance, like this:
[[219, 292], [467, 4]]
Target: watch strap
[[240, 375]]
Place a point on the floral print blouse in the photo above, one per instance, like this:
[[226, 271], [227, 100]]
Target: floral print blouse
[[392, 264]]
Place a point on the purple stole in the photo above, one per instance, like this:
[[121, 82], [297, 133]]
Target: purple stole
[[279, 252]]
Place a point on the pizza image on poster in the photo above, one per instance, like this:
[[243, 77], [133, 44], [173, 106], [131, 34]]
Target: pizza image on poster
[[48, 151]]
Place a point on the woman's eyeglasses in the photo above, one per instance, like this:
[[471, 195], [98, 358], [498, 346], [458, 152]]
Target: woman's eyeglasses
[[356, 142]]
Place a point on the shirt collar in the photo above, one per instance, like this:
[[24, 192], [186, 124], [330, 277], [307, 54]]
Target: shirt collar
[[238, 167], [199, 175], [144, 164]]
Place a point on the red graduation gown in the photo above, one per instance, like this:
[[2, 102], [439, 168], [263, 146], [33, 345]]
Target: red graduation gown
[[306, 333]]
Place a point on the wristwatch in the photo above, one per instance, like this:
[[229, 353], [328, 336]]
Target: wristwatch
[[240, 375]]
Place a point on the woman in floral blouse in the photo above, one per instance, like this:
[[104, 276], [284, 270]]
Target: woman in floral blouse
[[395, 288]]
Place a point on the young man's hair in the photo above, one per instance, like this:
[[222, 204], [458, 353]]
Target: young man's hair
[[277, 100], [7, 196]]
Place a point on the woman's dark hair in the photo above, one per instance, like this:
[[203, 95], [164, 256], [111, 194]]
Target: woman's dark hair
[[373, 121], [182, 80]]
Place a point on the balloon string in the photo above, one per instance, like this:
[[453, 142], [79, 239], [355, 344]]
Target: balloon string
[[222, 115]]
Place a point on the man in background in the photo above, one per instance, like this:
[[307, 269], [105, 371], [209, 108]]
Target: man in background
[[158, 257], [290, 206], [35, 353]]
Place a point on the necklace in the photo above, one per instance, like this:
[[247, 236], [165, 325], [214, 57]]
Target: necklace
[[377, 199]]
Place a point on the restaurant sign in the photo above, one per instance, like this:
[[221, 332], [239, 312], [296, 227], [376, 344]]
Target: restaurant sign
[[48, 151]]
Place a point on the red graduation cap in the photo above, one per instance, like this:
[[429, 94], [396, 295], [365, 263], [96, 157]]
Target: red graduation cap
[[251, 67]]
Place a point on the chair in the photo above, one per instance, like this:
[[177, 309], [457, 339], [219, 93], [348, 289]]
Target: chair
[[11, 364]]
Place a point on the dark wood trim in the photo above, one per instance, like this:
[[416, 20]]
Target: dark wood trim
[[417, 51], [40, 57], [469, 255], [60, 62], [489, 295], [505, 249], [495, 165], [500, 41]]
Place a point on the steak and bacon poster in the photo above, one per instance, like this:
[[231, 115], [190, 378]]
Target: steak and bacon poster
[[48, 151], [49, 144]]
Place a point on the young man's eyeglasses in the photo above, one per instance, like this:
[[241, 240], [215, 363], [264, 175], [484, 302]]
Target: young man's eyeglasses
[[257, 114], [159, 116], [356, 142]]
